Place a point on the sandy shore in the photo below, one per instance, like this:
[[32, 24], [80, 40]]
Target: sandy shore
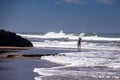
[[17, 64], [12, 49], [21, 69]]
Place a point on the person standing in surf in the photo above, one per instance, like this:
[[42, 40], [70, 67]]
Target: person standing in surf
[[79, 44]]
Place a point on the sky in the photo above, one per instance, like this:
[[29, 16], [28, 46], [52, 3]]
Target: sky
[[102, 16]]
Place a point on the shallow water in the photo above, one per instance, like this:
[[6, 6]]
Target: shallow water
[[86, 65], [99, 58]]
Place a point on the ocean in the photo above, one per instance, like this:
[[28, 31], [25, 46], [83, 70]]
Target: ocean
[[99, 58]]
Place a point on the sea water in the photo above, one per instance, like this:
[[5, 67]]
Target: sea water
[[99, 58]]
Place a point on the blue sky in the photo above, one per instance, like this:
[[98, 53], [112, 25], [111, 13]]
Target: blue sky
[[55, 15]]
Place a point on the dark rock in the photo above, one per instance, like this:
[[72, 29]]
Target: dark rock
[[11, 39]]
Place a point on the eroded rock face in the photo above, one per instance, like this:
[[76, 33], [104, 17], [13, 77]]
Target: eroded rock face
[[11, 39]]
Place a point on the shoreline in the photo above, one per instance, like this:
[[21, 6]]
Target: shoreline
[[20, 65], [21, 56], [29, 52], [22, 69], [12, 49], [16, 65]]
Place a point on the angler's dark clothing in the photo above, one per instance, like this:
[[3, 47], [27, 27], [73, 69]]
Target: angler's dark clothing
[[79, 41]]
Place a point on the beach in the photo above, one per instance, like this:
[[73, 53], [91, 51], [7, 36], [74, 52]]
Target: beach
[[17, 69], [20, 67], [62, 66], [55, 57], [59, 39]]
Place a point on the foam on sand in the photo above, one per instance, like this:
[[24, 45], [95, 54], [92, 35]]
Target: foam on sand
[[94, 64]]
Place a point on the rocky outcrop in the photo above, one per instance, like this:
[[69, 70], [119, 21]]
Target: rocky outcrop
[[11, 39]]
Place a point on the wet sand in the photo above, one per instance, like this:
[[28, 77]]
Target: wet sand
[[21, 69], [19, 66]]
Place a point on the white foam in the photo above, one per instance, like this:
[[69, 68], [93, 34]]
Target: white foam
[[96, 54], [73, 44], [58, 44], [86, 59], [30, 35], [61, 34], [49, 35], [74, 61], [70, 40], [52, 71], [64, 74], [96, 38]]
